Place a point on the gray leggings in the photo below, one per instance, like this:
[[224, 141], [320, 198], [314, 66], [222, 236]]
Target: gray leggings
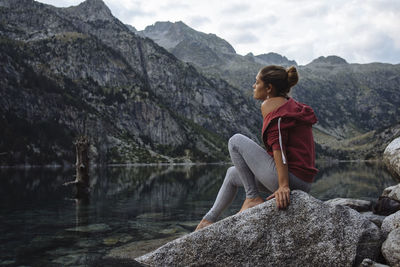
[[254, 169]]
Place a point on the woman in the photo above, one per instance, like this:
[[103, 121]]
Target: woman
[[287, 163]]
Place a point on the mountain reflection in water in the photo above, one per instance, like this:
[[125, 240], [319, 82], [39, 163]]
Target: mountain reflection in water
[[139, 207]]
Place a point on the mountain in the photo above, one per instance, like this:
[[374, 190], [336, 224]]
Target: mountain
[[212, 55], [79, 70], [329, 60], [274, 59], [350, 100], [170, 35]]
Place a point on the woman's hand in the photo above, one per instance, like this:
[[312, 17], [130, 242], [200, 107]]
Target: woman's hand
[[282, 197]]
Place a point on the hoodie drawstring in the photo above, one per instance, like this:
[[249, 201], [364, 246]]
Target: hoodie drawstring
[[280, 140]]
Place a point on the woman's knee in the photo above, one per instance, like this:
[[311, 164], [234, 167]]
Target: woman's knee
[[231, 171], [235, 140], [232, 176]]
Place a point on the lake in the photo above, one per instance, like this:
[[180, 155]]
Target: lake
[[133, 208]]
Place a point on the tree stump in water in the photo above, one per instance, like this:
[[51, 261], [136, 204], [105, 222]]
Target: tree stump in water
[[82, 166]]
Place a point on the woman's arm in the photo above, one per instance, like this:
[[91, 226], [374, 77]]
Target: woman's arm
[[282, 195]]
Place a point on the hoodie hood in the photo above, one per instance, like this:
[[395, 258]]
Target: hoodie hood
[[292, 113]]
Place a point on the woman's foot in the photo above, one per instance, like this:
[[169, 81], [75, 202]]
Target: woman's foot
[[251, 202], [203, 223]]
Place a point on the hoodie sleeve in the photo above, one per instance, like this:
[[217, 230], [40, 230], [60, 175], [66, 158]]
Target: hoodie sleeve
[[273, 137]]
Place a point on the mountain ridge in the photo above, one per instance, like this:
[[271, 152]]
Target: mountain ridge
[[136, 101]]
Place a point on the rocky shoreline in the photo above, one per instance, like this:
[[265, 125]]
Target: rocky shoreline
[[317, 233], [337, 232]]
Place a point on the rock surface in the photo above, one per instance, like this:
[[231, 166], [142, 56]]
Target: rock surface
[[391, 157], [392, 192], [391, 248], [390, 223], [355, 204], [375, 218], [308, 233], [371, 263]]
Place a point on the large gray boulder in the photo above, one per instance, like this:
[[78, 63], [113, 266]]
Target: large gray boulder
[[390, 223], [391, 157], [391, 248], [308, 233]]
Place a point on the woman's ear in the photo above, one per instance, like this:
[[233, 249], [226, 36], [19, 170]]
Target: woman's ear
[[269, 88]]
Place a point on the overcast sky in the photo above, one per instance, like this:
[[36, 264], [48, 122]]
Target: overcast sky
[[360, 31]]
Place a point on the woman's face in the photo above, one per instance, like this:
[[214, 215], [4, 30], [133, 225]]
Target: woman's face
[[260, 90]]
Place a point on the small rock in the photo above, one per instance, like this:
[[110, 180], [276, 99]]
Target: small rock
[[390, 223], [189, 226], [154, 215], [122, 238], [375, 218], [370, 263], [356, 204], [7, 262], [92, 228], [391, 157], [106, 261], [392, 192], [71, 260], [169, 231], [110, 241], [386, 206], [391, 248], [135, 249], [86, 243]]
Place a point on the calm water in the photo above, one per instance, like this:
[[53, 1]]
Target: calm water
[[136, 208]]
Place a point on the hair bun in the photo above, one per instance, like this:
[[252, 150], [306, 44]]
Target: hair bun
[[292, 76]]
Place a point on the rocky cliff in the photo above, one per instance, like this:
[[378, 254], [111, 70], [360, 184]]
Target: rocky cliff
[[68, 71]]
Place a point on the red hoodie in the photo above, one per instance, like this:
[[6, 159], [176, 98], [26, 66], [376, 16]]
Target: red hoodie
[[292, 122]]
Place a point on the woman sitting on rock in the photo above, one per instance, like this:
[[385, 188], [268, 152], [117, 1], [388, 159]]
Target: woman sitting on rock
[[287, 163]]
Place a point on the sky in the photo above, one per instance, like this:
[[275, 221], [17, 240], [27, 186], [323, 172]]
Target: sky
[[360, 31]]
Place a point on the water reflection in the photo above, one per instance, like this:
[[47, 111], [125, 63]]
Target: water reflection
[[351, 180], [133, 208]]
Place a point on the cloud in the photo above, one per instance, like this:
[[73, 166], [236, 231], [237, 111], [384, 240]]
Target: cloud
[[359, 30], [245, 38], [235, 9], [175, 5], [62, 3], [198, 21]]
